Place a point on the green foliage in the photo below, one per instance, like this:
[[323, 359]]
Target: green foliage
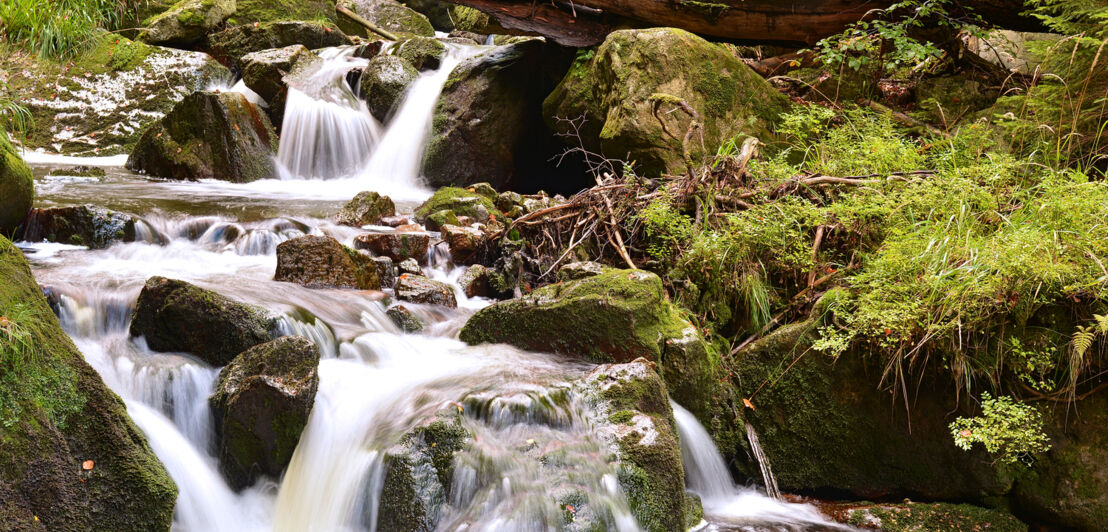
[[27, 377], [14, 116], [1010, 430], [59, 28], [667, 230], [17, 347]]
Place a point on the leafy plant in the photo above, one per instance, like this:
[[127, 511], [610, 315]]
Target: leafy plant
[[59, 28], [1010, 430]]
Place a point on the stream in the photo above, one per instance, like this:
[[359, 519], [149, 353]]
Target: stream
[[376, 382]]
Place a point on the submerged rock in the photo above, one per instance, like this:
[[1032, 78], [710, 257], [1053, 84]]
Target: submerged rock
[[78, 171], [614, 89], [209, 135], [322, 262], [404, 318], [419, 289], [177, 316], [229, 46], [367, 208], [393, 16], [264, 73], [17, 187], [85, 225], [460, 202], [397, 246], [70, 456], [187, 22], [423, 53], [383, 83], [418, 474], [261, 405]]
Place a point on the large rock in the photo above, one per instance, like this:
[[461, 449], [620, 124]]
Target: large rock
[[262, 11], [423, 53], [322, 262], [393, 16], [487, 120], [261, 405], [70, 457], [461, 202], [613, 88], [419, 289], [264, 73], [418, 474], [230, 45], [177, 316], [101, 101], [17, 187], [209, 135], [187, 22], [85, 225], [367, 208], [396, 246], [466, 243], [384, 82]]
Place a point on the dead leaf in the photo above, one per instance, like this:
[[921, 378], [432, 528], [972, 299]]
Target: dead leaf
[[87, 465], [747, 403]]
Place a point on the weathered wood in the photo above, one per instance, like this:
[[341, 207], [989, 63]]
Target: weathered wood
[[368, 25], [587, 22]]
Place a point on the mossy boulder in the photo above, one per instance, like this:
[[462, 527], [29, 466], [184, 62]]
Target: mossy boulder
[[383, 83], [102, 101], [438, 13], [473, 20], [78, 171], [230, 45], [84, 225], [261, 405], [264, 73], [423, 53], [460, 202], [927, 517], [396, 246], [57, 414], [419, 289], [322, 262], [487, 122], [178, 316], [209, 135], [186, 22], [17, 187], [950, 99], [393, 16], [367, 208], [418, 474], [262, 11], [404, 318], [615, 86]]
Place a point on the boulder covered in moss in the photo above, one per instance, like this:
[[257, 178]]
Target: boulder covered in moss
[[101, 101], [322, 262], [262, 11], [17, 187], [615, 88], [70, 457], [174, 315], [396, 246], [423, 53], [460, 202], [487, 122], [419, 289], [404, 318], [261, 405], [367, 208], [264, 73], [186, 22], [84, 225], [384, 82], [209, 135], [395, 17], [230, 45], [418, 474], [925, 517]]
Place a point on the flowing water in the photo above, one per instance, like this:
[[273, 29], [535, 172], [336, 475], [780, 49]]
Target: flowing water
[[376, 383]]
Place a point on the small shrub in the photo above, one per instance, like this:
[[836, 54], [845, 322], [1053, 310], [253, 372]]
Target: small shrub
[[1009, 430]]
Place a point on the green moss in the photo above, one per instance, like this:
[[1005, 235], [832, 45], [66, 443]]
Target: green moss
[[423, 53], [250, 11], [17, 189], [941, 517], [460, 201]]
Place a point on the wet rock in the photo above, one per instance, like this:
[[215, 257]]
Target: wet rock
[[187, 22], [404, 318], [386, 271], [367, 208], [461, 202], [85, 225], [209, 135], [423, 53], [101, 101], [397, 246], [395, 17], [419, 289], [78, 171], [17, 187], [486, 119], [322, 262], [264, 73], [395, 221], [410, 266], [383, 83], [261, 405], [474, 20], [436, 11], [475, 281], [229, 46], [418, 474], [466, 243], [580, 270], [370, 49], [437, 220], [57, 415], [180, 317], [924, 517], [613, 90]]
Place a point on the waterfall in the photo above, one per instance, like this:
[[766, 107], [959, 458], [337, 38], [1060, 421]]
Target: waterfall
[[768, 479]]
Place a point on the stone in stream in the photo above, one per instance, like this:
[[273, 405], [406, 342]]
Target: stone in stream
[[261, 405], [386, 271], [423, 53], [78, 171], [395, 221], [209, 135], [230, 45], [437, 220], [466, 243], [84, 225], [404, 318], [410, 266], [397, 246], [176, 316], [384, 82], [419, 289], [616, 88], [264, 73], [322, 262], [17, 187], [186, 22], [367, 208], [475, 281], [395, 17], [460, 202]]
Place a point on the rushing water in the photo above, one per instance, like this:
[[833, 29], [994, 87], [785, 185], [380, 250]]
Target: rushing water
[[376, 382]]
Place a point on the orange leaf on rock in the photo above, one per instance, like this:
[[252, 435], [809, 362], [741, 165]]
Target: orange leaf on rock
[[87, 465], [748, 404]]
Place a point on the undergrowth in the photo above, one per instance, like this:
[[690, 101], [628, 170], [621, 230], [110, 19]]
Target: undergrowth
[[59, 29]]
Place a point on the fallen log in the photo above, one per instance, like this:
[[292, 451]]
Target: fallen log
[[799, 22]]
